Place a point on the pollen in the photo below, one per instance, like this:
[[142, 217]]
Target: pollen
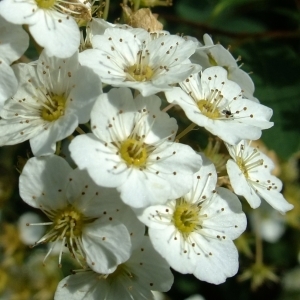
[[208, 109], [186, 217], [140, 72], [45, 4], [241, 164], [68, 222], [53, 108], [248, 162], [134, 152]]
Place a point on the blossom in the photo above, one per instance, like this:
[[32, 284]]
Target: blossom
[[85, 217], [216, 103], [51, 100], [249, 172], [211, 55], [132, 148], [13, 43], [146, 62], [194, 233], [146, 270], [49, 22]]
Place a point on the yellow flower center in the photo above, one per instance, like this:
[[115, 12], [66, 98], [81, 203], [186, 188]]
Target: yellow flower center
[[134, 152], [139, 72], [241, 164], [45, 4], [54, 109], [68, 222], [186, 216], [247, 163], [208, 109]]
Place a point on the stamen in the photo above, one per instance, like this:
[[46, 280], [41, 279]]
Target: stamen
[[185, 217], [140, 71], [245, 162]]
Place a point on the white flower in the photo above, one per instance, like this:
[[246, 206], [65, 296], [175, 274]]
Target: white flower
[[212, 55], [194, 233], [250, 176], [54, 95], [146, 270], [13, 43], [123, 58], [132, 149], [216, 103], [29, 234], [48, 21], [85, 217]]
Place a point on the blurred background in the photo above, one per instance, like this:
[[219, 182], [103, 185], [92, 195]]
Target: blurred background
[[266, 34]]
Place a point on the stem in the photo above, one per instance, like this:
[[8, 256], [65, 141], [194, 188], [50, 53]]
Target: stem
[[258, 240], [58, 147], [168, 107], [88, 126], [136, 5], [79, 130], [106, 8], [185, 131]]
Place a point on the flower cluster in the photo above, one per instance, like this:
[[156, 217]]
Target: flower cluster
[[138, 201]]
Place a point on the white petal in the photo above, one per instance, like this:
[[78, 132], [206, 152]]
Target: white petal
[[19, 12], [151, 268], [159, 125], [150, 217], [169, 178], [13, 41], [117, 106], [170, 245], [142, 189], [91, 199], [276, 200], [220, 264], [225, 215], [90, 154], [30, 234], [240, 185], [43, 181], [84, 95], [204, 181], [175, 169], [81, 286], [170, 49], [101, 242], [44, 142], [8, 82], [57, 33]]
